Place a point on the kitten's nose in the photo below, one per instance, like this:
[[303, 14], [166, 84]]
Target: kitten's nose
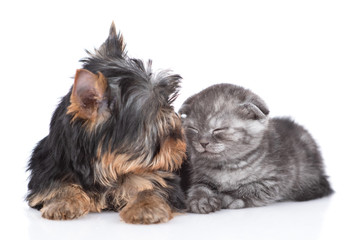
[[204, 144]]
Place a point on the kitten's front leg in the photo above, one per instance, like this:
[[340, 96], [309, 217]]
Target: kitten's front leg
[[230, 202], [255, 194], [202, 199]]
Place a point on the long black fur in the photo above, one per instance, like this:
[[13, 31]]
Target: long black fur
[[133, 98]]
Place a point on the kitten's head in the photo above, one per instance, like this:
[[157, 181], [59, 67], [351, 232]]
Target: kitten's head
[[224, 121]]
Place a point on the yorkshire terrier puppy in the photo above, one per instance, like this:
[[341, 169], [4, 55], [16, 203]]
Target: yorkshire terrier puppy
[[115, 143]]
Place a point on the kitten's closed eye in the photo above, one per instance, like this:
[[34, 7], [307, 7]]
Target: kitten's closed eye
[[193, 129], [219, 130]]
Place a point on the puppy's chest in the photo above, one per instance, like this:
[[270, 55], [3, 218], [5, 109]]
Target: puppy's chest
[[110, 167]]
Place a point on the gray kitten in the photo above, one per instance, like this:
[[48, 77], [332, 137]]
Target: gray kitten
[[239, 157]]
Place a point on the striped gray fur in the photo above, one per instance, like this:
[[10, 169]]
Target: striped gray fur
[[239, 157]]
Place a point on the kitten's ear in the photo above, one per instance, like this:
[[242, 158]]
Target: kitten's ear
[[114, 46], [255, 110], [261, 105], [184, 111], [87, 95]]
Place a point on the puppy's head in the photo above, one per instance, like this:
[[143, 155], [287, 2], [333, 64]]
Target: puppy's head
[[123, 104]]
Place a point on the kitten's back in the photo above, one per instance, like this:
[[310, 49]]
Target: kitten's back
[[310, 181]]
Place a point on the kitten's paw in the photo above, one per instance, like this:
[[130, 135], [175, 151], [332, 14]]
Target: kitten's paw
[[62, 210], [237, 203], [230, 203], [204, 205]]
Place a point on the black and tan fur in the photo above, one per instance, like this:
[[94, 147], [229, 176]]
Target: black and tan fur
[[114, 143]]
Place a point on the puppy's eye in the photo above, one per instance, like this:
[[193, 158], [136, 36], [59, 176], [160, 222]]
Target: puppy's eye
[[193, 129], [219, 130]]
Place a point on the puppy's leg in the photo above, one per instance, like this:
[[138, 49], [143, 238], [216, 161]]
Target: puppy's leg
[[62, 202], [147, 207]]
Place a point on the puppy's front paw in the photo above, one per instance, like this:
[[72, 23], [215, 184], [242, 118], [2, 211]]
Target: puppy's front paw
[[68, 202], [147, 208], [204, 205], [64, 210]]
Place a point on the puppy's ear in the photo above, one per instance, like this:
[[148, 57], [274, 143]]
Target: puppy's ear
[[114, 46], [87, 97], [255, 110]]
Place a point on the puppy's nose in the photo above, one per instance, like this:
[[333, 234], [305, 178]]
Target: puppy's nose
[[204, 144]]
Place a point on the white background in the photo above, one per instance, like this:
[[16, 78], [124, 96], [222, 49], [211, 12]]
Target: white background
[[297, 55]]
